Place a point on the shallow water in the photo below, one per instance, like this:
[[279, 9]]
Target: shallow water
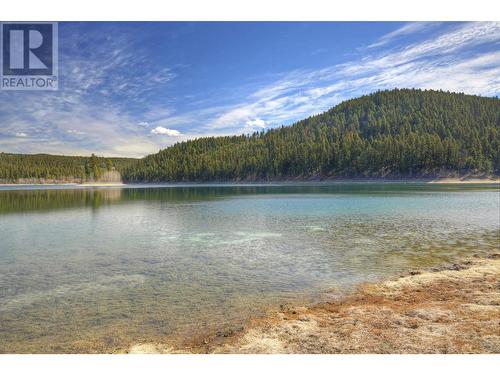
[[96, 269]]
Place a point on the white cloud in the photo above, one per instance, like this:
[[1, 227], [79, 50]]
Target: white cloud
[[164, 131], [76, 132], [21, 135], [257, 123], [143, 123]]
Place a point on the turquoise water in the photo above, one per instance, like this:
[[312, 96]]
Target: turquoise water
[[98, 269]]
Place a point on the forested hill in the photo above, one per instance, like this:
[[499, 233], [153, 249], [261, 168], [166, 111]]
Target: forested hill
[[55, 168], [397, 133]]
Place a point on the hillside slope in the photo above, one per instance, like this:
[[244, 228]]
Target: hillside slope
[[397, 133]]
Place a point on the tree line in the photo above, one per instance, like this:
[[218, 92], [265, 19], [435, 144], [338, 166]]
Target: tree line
[[396, 133], [37, 167]]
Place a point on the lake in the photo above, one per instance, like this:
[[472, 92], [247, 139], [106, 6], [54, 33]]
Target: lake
[[99, 269]]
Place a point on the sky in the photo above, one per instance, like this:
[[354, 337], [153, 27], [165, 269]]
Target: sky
[[131, 89]]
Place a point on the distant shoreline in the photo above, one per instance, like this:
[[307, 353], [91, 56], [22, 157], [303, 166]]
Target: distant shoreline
[[444, 180], [466, 181], [89, 184], [99, 184]]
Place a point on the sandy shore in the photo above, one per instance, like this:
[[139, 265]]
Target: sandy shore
[[101, 184], [454, 310], [465, 181]]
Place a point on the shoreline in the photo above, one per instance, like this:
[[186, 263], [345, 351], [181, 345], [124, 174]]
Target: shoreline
[[465, 181], [443, 181], [454, 309], [89, 184], [101, 184]]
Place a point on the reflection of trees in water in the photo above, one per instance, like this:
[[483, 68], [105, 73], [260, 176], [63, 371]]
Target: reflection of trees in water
[[29, 200], [106, 196], [34, 200]]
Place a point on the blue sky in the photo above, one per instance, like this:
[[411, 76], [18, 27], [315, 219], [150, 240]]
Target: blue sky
[[130, 89]]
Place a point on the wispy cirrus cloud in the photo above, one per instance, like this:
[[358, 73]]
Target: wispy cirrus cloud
[[103, 75], [408, 29], [445, 61]]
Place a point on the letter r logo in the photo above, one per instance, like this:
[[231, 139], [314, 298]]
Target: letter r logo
[[35, 41], [27, 49]]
